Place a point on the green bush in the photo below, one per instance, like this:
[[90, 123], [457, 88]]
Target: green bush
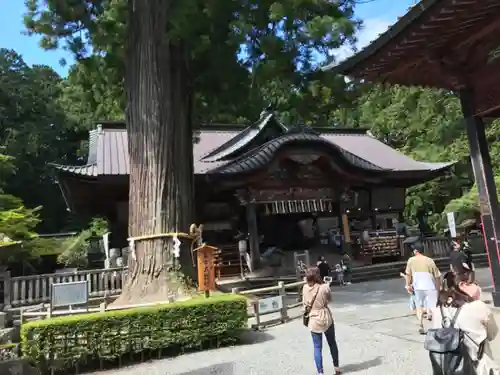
[[71, 341]]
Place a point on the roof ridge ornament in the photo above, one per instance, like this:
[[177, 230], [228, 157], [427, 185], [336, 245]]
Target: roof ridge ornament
[[269, 110]]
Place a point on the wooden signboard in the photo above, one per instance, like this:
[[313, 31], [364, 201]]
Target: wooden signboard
[[206, 267]]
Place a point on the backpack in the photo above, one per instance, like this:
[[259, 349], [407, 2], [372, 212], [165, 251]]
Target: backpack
[[447, 350]]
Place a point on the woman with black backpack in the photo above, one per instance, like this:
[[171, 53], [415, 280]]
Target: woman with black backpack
[[459, 342]]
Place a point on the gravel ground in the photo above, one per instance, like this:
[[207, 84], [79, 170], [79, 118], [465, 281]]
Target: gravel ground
[[375, 332]]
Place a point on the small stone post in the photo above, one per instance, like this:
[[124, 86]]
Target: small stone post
[[7, 287]]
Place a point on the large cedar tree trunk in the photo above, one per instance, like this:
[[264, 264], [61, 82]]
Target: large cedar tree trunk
[[161, 151]]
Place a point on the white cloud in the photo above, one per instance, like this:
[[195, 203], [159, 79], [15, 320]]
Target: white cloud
[[372, 28]]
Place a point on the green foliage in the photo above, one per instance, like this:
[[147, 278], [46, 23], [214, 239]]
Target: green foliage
[[17, 222], [98, 226], [244, 55], [75, 249], [426, 125], [79, 339], [466, 207], [35, 131], [40, 246]]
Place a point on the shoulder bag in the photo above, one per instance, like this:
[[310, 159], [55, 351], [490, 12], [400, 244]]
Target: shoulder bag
[[305, 317]]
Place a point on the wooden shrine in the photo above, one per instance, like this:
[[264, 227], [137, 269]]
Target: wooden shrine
[[253, 183]]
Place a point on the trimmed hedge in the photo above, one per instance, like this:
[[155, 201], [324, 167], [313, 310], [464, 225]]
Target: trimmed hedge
[[79, 340]]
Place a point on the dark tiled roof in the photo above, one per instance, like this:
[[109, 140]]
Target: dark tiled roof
[[261, 156], [112, 153], [82, 170], [243, 138], [357, 148], [378, 153]]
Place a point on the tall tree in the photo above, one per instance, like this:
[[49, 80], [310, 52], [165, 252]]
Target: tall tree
[[35, 131], [177, 52], [160, 145]]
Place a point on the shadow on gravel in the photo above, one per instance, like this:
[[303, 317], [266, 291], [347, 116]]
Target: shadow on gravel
[[365, 365], [219, 369], [250, 337]]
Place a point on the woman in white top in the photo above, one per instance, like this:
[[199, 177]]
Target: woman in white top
[[475, 318]]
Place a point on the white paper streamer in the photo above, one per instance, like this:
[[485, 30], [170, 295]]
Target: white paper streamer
[[177, 246], [131, 245]]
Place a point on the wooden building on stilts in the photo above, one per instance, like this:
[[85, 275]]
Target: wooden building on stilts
[[276, 185]]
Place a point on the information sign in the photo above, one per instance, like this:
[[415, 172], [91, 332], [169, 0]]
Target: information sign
[[451, 224], [70, 294], [270, 305]]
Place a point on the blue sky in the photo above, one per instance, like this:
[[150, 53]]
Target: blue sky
[[378, 15]]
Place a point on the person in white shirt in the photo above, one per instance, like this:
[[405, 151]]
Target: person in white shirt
[[475, 319], [423, 279]]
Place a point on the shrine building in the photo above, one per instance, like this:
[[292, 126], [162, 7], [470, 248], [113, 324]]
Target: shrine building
[[267, 180]]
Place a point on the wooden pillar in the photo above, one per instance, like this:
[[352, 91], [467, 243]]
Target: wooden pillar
[[487, 195], [347, 234], [373, 215], [253, 235]]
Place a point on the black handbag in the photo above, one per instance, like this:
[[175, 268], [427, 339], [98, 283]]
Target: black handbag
[[305, 317], [447, 351]]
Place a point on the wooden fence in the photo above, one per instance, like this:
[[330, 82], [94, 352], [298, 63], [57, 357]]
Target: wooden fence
[[439, 247], [434, 247], [281, 309], [30, 290]]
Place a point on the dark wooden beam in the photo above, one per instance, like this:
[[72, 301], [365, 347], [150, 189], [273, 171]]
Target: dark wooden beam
[[488, 199]]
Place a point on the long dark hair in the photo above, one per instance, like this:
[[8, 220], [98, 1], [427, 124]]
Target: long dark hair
[[450, 293]]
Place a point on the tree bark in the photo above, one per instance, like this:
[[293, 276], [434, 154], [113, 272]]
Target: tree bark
[[160, 152]]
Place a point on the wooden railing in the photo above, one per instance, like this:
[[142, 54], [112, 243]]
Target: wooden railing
[[437, 247], [35, 289], [282, 311]]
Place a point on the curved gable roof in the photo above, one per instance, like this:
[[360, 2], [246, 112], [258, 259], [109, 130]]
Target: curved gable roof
[[263, 155], [240, 142], [358, 151]]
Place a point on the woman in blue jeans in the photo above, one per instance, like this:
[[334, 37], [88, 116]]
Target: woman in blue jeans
[[316, 296]]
